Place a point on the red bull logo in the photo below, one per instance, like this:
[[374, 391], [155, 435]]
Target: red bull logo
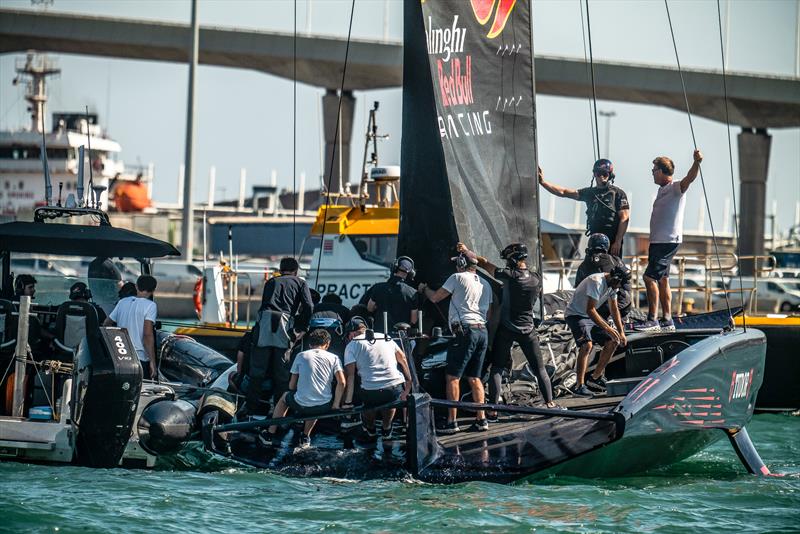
[[483, 10]]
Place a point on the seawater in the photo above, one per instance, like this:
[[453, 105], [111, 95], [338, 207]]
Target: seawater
[[709, 492]]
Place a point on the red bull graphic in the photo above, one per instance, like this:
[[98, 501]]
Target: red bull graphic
[[483, 10]]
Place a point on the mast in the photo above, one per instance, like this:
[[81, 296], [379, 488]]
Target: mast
[[34, 71]]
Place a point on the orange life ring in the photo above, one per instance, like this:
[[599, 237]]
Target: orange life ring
[[197, 297]]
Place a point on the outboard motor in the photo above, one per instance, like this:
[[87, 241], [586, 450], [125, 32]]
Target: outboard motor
[[165, 425], [108, 379]]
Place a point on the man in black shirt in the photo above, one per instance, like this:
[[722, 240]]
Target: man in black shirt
[[598, 260], [395, 297], [607, 208], [521, 288], [286, 308]]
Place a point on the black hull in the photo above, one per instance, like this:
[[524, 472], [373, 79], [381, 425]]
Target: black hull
[[693, 399], [779, 392]]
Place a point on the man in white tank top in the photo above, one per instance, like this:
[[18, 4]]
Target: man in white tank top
[[666, 235]]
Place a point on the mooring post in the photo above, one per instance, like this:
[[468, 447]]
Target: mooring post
[[20, 356]]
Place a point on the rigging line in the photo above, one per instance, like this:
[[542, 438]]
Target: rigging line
[[335, 138], [294, 134], [588, 78], [730, 159], [594, 88], [694, 142]]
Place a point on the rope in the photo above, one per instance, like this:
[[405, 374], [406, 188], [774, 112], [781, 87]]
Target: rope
[[294, 135], [594, 88], [335, 136], [588, 78], [694, 142], [730, 159]]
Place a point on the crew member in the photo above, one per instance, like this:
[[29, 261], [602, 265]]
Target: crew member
[[582, 317], [286, 307], [598, 260], [471, 296], [80, 292], [395, 297], [521, 288], [666, 235], [377, 359], [607, 208], [138, 315], [313, 373], [331, 306], [24, 286]]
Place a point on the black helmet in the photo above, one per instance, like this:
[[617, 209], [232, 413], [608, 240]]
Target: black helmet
[[603, 166], [598, 242], [514, 252], [620, 274]]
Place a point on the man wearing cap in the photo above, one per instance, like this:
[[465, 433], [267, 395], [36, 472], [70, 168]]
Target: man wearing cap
[[582, 318], [383, 370], [598, 260], [395, 297], [607, 208], [521, 288], [471, 296], [80, 292], [286, 308]]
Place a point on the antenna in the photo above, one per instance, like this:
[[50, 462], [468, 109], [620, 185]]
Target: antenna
[[81, 157], [91, 177], [48, 187]]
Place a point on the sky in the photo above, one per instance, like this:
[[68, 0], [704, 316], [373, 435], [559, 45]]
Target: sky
[[244, 118]]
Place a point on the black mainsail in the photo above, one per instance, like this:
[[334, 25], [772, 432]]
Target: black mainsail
[[469, 131]]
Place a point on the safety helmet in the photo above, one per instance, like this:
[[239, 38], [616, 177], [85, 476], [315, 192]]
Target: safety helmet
[[515, 252], [598, 242], [355, 323], [463, 261], [604, 166]]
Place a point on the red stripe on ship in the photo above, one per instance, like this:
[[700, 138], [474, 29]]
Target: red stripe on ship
[[645, 390]]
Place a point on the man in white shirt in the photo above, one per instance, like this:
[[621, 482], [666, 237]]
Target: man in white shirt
[[138, 316], [582, 318], [376, 361], [666, 235], [310, 385], [471, 296]]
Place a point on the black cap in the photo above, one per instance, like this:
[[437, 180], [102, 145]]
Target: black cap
[[355, 323]]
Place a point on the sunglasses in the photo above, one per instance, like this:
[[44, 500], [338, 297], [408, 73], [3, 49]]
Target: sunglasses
[[602, 173]]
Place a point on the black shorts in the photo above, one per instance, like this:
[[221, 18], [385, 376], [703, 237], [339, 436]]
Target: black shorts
[[306, 411], [659, 258], [378, 397], [584, 330], [466, 351]]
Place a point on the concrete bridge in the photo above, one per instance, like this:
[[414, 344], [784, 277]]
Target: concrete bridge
[[756, 102]]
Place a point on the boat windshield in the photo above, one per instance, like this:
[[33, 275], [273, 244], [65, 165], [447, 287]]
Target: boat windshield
[[380, 249], [55, 276]]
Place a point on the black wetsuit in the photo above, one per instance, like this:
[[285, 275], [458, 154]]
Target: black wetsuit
[[520, 290]]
